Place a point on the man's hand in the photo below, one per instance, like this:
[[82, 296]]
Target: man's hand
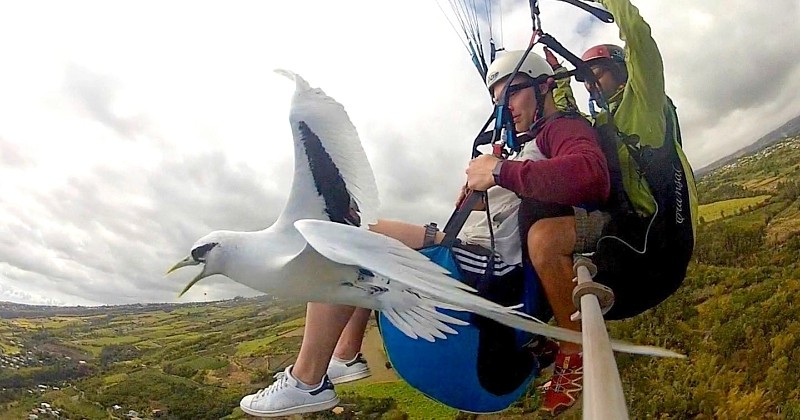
[[479, 172], [551, 59], [462, 194], [479, 206]]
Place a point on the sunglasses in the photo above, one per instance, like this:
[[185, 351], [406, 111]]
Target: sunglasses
[[513, 89], [599, 71]]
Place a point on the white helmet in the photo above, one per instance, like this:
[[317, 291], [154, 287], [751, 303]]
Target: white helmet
[[534, 66]]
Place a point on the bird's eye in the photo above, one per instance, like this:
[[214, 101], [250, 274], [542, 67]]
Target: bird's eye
[[199, 253]]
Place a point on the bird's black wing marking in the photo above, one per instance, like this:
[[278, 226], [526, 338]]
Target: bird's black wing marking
[[339, 205]]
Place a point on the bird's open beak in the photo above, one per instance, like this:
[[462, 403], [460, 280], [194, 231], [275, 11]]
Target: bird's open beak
[[186, 262], [183, 263]]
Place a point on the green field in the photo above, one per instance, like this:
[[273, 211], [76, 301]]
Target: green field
[[107, 341], [255, 347], [407, 399], [7, 348], [204, 363], [720, 209], [114, 379]]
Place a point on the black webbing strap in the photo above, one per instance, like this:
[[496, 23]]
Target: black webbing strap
[[459, 217], [462, 212], [582, 72], [485, 137], [599, 13]]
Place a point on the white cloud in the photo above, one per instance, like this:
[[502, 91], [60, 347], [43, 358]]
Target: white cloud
[[128, 130]]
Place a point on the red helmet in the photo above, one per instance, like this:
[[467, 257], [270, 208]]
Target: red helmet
[[609, 51]]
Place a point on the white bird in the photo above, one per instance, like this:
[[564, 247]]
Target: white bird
[[319, 249]]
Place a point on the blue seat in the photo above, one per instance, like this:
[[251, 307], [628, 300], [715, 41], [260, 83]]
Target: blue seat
[[452, 371]]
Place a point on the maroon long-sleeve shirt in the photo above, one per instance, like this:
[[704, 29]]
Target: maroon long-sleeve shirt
[[575, 173]]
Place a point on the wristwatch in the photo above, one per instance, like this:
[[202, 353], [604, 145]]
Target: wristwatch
[[496, 172]]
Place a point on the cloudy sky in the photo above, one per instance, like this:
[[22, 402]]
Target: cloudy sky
[[130, 129]]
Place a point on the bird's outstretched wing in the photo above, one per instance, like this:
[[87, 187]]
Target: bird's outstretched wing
[[333, 179], [414, 274]]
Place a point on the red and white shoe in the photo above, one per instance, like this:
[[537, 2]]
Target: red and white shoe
[[566, 385]]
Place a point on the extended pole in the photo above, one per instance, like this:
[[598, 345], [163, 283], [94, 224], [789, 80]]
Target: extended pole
[[603, 398]]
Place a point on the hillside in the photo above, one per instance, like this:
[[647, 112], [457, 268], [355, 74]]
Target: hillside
[[175, 361], [737, 317], [84, 361], [790, 129]]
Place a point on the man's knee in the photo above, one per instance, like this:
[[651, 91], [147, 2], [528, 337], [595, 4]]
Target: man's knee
[[551, 238]]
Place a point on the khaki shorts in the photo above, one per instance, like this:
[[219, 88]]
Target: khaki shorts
[[588, 225], [589, 228]]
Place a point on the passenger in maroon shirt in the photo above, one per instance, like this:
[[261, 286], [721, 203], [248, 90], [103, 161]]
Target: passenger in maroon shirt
[[575, 177]]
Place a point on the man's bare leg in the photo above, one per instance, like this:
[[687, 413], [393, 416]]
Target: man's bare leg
[[324, 326], [349, 343], [329, 326], [413, 236], [551, 243]]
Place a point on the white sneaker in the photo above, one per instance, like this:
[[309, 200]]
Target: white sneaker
[[284, 398], [353, 370]]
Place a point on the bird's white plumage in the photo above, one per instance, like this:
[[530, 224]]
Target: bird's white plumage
[[304, 259], [329, 120], [410, 270]]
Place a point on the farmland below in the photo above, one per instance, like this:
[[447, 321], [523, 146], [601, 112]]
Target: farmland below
[[737, 317]]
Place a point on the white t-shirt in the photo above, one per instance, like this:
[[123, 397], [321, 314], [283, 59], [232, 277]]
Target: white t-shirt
[[503, 207]]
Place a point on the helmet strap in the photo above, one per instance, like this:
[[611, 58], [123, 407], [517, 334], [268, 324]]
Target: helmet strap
[[539, 103]]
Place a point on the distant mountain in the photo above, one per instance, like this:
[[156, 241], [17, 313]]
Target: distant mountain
[[790, 129], [10, 310]]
